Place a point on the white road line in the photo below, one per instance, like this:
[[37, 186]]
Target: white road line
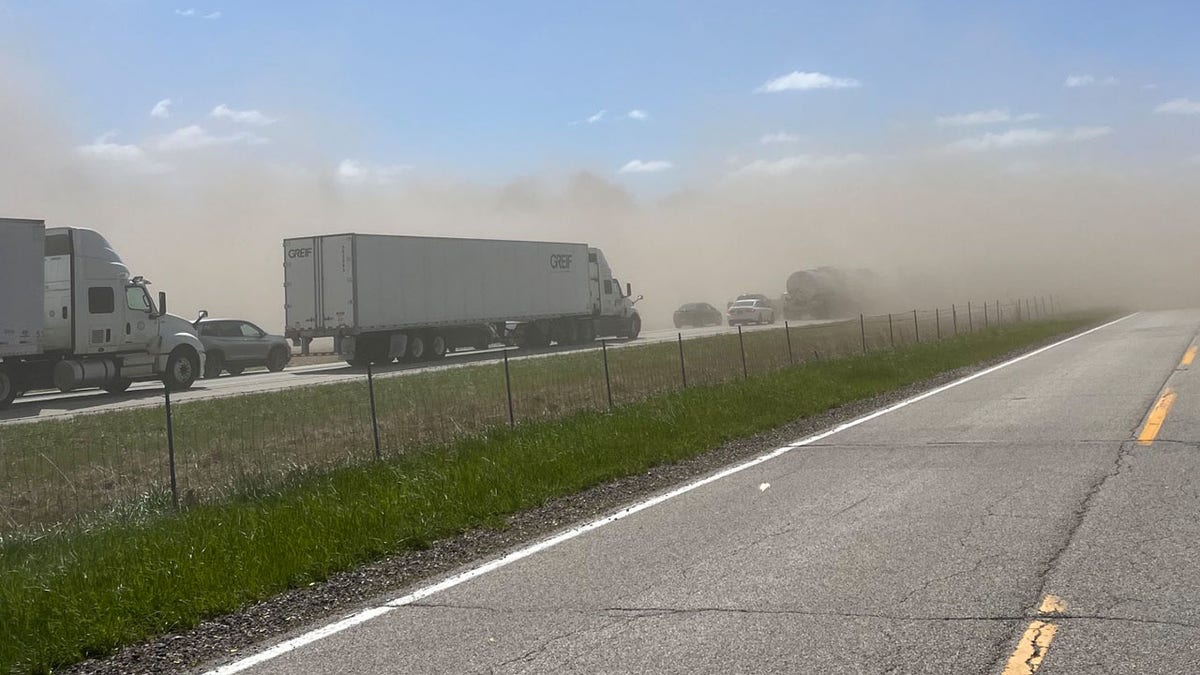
[[495, 564]]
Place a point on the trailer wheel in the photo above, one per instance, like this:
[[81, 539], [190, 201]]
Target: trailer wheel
[[416, 347], [8, 388], [587, 332], [436, 350]]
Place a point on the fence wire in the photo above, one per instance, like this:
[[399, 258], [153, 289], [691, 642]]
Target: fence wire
[[89, 468]]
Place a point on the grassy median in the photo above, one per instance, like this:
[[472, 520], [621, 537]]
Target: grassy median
[[79, 593]]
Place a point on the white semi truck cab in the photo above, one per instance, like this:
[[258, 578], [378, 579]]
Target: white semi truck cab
[[72, 316]]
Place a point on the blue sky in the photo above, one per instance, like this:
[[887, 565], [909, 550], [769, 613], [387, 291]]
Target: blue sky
[[490, 90]]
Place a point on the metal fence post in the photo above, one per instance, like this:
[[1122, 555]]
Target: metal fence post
[[742, 346], [512, 420], [171, 448], [937, 318], [970, 318], [862, 329], [986, 321], [891, 332], [999, 314], [607, 380], [916, 328], [954, 313], [374, 417], [787, 331], [682, 367]]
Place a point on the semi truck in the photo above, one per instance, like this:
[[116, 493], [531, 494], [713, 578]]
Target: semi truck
[[414, 298], [71, 316], [829, 293]]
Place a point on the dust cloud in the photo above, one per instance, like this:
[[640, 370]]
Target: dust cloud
[[207, 226]]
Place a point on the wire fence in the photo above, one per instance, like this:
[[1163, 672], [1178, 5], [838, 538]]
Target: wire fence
[[142, 462]]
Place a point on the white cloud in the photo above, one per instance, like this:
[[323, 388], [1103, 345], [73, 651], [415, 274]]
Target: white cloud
[[787, 165], [185, 12], [802, 81], [126, 155], [195, 137], [353, 171], [639, 115], [1179, 106], [651, 166], [251, 117], [213, 15], [1024, 138], [162, 109], [778, 137], [979, 117], [1074, 81]]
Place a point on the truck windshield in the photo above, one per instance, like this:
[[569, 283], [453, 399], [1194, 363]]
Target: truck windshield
[[136, 298]]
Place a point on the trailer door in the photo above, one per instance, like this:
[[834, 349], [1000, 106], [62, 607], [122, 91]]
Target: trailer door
[[300, 291], [337, 280]]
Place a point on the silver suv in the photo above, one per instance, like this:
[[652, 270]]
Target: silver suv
[[234, 345]]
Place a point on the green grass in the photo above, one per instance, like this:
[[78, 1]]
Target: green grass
[[115, 464], [79, 593]]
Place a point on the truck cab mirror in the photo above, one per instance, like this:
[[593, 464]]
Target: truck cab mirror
[[162, 303], [200, 317], [637, 299]]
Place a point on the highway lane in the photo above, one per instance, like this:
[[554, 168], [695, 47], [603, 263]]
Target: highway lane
[[1010, 521], [53, 404]]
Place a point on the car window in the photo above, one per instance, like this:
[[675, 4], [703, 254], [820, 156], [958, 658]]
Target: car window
[[208, 330], [249, 330], [745, 303]]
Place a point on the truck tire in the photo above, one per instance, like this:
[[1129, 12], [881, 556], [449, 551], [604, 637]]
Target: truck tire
[[213, 365], [587, 332], [118, 386], [635, 327], [277, 359], [8, 388], [183, 365], [436, 346], [415, 351]]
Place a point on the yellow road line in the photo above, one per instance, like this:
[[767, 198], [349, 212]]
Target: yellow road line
[[1035, 641], [1188, 356], [1027, 658], [1052, 604], [1158, 414]]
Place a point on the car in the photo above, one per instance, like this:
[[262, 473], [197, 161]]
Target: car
[[751, 311], [697, 314], [233, 345]]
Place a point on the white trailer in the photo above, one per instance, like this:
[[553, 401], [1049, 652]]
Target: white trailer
[[71, 317], [384, 297]]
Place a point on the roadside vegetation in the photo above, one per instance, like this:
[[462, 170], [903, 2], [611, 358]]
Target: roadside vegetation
[[87, 589]]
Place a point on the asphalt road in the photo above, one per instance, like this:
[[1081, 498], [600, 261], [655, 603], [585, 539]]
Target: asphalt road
[[1014, 513], [53, 404]]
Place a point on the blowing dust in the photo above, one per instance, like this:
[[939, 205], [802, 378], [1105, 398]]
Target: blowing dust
[[935, 228]]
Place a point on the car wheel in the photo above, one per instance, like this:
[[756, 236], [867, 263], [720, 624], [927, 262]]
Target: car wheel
[[277, 359], [183, 365], [118, 386], [213, 365]]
